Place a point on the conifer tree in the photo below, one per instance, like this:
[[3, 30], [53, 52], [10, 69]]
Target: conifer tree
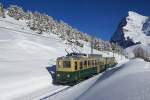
[[15, 12], [2, 13]]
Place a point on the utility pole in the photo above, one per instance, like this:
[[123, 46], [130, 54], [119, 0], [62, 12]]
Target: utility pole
[[92, 44], [113, 49]]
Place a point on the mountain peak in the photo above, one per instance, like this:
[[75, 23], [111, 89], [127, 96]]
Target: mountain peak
[[132, 29], [132, 13], [136, 16]]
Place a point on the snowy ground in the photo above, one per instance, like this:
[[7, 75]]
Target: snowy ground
[[129, 81], [24, 57]]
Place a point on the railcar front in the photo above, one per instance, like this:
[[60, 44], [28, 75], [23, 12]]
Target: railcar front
[[65, 73]]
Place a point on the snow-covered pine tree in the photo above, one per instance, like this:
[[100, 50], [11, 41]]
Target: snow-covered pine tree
[[76, 37], [54, 26], [40, 22], [101, 45], [2, 13], [16, 12], [51, 24], [64, 30], [32, 23], [28, 15], [107, 46]]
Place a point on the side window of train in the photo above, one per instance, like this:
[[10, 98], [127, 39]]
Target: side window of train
[[85, 63], [88, 63], [93, 63], [96, 62], [81, 65], [76, 65]]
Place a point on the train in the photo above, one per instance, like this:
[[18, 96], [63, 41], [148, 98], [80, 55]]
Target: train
[[76, 67]]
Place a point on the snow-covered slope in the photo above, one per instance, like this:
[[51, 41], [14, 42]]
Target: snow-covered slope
[[23, 63], [24, 56], [132, 29], [130, 81]]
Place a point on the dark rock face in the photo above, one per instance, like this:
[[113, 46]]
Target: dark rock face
[[118, 36], [146, 27]]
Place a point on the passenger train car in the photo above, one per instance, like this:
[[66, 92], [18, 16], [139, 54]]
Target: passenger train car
[[74, 67]]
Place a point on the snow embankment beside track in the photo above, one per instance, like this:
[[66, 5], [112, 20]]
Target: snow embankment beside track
[[129, 81]]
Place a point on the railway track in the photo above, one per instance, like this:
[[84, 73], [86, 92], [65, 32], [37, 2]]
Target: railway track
[[57, 92]]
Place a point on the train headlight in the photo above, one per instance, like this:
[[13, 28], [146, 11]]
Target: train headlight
[[68, 76], [58, 75]]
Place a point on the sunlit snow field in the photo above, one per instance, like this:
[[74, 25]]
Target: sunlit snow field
[[24, 57]]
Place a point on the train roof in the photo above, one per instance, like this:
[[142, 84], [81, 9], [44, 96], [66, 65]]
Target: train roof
[[79, 55]]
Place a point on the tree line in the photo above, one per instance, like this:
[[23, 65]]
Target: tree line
[[43, 23]]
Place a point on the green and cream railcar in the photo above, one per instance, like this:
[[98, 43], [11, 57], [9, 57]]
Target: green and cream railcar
[[110, 62], [72, 68]]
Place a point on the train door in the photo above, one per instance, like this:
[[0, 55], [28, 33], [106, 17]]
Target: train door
[[76, 65], [77, 74]]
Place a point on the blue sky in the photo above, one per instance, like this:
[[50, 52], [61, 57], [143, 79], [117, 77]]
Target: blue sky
[[98, 18]]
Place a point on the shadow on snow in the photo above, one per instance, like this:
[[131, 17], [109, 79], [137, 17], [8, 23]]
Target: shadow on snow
[[106, 74], [52, 71]]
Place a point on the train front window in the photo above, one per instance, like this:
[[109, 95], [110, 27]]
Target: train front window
[[67, 64], [59, 63]]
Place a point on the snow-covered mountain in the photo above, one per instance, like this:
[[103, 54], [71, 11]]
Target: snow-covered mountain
[[133, 29]]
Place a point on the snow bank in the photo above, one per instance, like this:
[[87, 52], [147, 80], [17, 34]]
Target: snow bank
[[130, 51]]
